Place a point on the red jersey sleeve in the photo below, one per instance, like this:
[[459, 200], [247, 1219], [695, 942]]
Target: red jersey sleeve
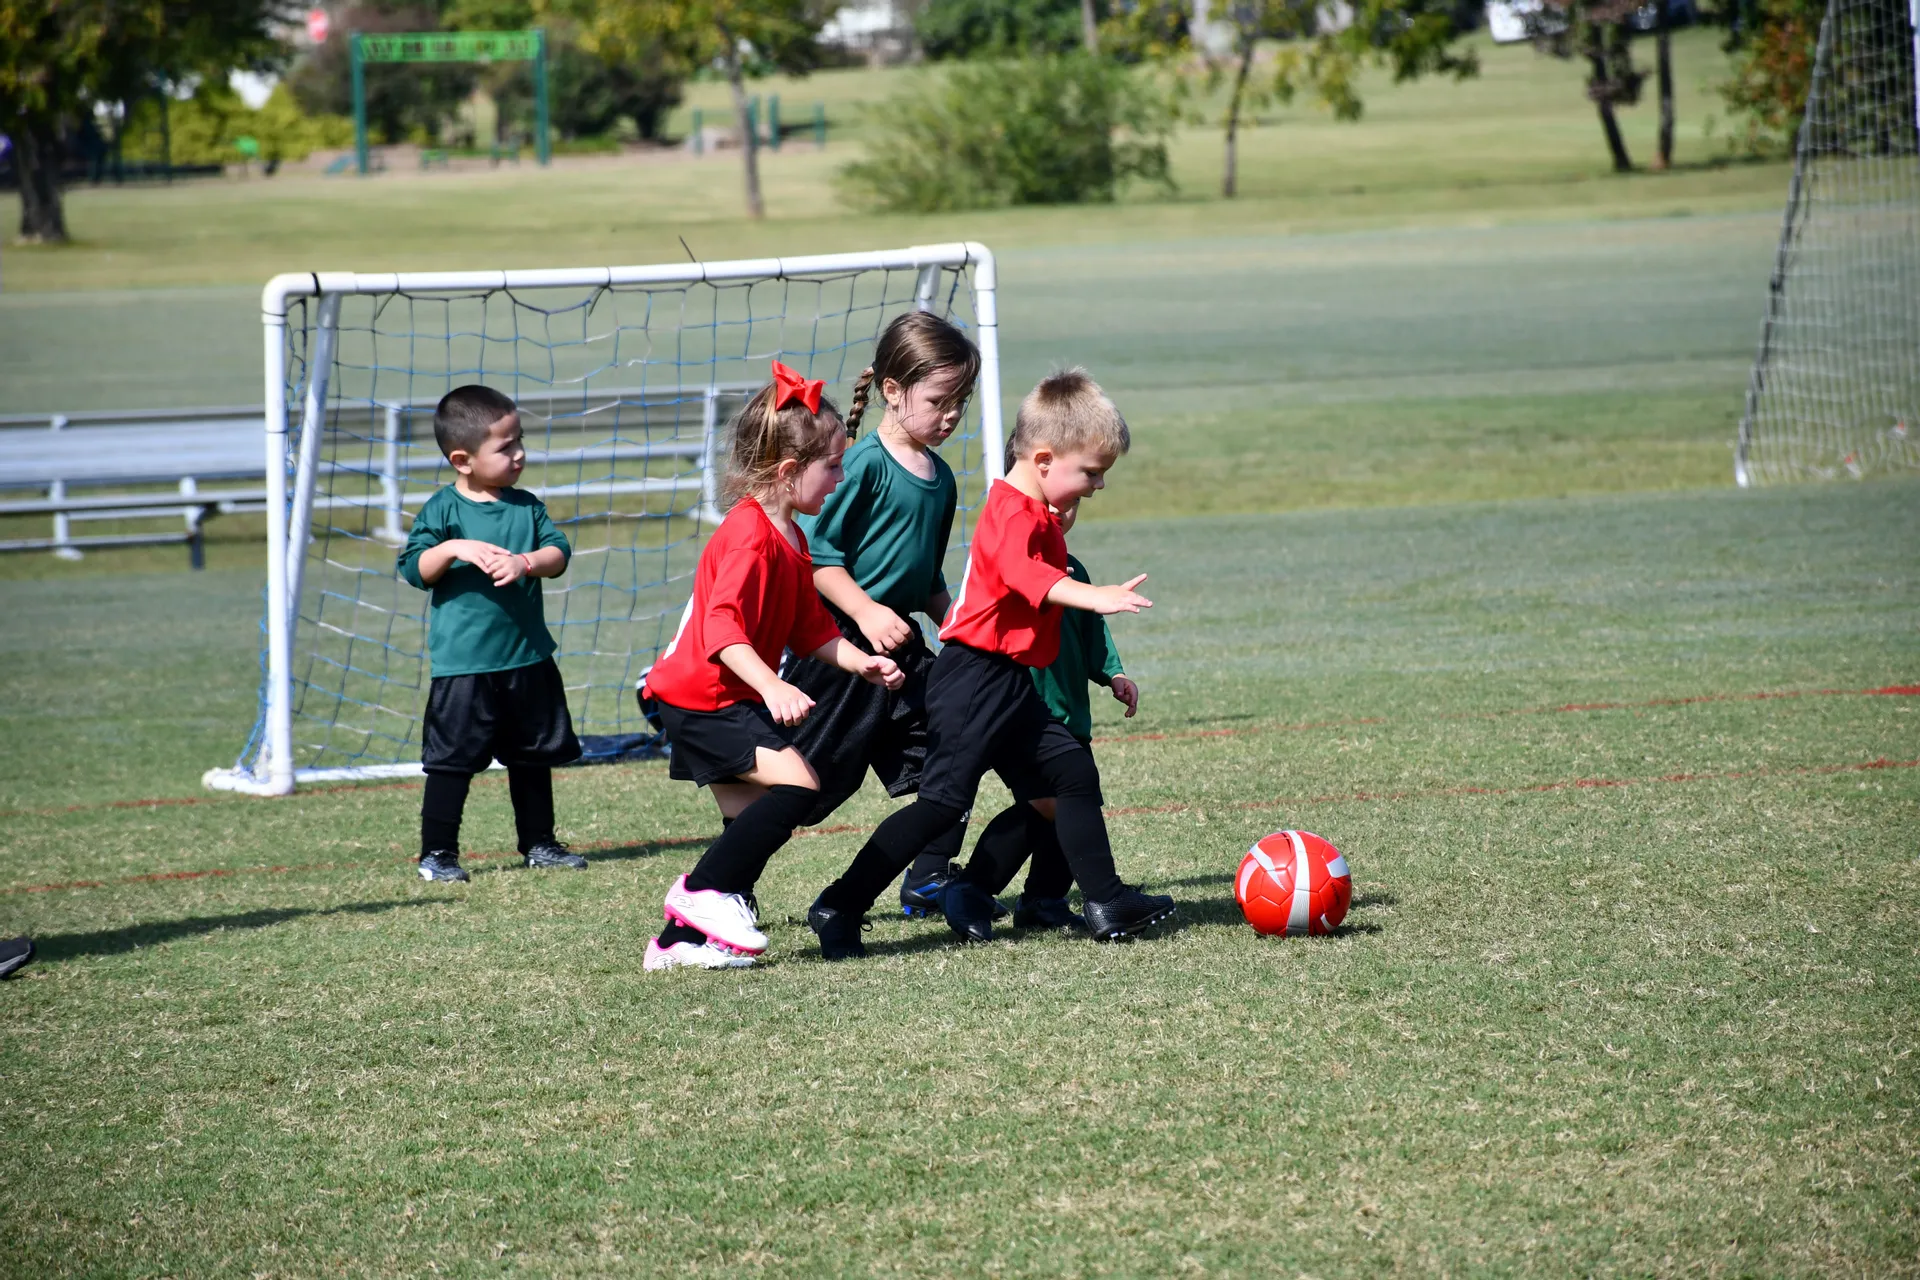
[[734, 602], [1021, 567]]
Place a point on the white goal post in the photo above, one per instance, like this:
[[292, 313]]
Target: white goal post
[[626, 377]]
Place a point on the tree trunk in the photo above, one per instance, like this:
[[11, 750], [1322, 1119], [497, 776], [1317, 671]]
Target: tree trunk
[[36, 161], [1663, 54], [749, 145], [1230, 182], [1089, 29], [1600, 88]]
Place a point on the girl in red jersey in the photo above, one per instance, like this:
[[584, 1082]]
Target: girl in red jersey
[[725, 709]]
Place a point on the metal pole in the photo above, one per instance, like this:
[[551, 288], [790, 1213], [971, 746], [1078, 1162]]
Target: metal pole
[[390, 486], [699, 132], [359, 61], [709, 457], [1913, 21], [773, 122], [543, 147], [986, 315], [196, 549]]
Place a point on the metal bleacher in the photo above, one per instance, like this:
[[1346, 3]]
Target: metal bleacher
[[195, 464]]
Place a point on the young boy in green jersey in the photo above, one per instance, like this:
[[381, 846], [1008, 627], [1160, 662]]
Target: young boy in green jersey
[[1087, 654], [480, 545]]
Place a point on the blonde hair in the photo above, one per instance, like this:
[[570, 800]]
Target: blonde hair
[[763, 437], [1068, 413], [912, 347]]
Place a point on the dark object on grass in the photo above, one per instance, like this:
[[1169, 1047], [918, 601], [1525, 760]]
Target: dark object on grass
[[1046, 913], [14, 953]]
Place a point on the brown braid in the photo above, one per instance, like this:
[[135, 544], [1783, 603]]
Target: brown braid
[[857, 407]]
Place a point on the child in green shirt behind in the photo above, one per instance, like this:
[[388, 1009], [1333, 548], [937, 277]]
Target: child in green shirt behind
[[480, 545], [1087, 654]]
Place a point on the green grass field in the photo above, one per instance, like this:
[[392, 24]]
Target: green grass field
[[1431, 476]]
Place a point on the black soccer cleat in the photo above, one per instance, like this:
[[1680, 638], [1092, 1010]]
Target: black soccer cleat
[[1127, 914], [969, 911], [839, 933], [920, 899], [14, 953], [1045, 913], [441, 865], [553, 853]]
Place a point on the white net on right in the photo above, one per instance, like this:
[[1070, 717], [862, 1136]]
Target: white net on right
[[1835, 390]]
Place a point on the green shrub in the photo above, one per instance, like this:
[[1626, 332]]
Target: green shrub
[[1058, 129], [206, 129]]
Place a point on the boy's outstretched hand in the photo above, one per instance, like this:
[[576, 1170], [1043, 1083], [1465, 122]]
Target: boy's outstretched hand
[[1128, 693], [1123, 598], [881, 670]]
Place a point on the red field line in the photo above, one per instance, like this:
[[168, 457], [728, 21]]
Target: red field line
[[1891, 690], [1294, 802]]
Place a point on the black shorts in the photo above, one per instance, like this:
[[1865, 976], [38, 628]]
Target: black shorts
[[719, 746], [856, 725], [518, 717], [983, 713]]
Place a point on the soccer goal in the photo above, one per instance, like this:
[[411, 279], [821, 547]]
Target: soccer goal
[[626, 378], [1836, 387]]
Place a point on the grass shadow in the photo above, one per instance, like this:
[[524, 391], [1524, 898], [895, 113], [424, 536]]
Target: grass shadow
[[54, 947], [628, 852], [1199, 911]]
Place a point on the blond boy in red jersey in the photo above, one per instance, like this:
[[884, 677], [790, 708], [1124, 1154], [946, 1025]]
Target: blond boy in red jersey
[[983, 710]]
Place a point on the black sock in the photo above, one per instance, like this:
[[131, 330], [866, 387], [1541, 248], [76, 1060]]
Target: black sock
[[531, 788], [1079, 825], [1083, 838], [440, 808], [886, 854], [677, 932], [1048, 875], [733, 863], [1000, 850], [938, 856]]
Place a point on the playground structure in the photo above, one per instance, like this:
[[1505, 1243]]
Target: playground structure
[[451, 46]]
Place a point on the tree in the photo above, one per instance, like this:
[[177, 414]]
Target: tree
[[1772, 43], [740, 36], [59, 59], [1414, 37], [1599, 32], [1003, 28]]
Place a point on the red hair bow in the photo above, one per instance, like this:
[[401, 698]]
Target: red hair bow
[[789, 386]]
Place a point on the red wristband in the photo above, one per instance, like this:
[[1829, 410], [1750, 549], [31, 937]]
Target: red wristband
[[529, 559]]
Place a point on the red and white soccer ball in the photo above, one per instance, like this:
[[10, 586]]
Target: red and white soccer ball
[[1293, 882]]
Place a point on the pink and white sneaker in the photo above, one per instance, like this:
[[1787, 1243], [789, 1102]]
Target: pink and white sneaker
[[724, 917], [689, 955]]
